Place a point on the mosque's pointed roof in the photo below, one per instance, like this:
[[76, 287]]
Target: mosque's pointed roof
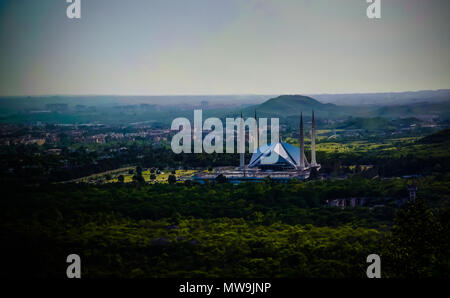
[[284, 153]]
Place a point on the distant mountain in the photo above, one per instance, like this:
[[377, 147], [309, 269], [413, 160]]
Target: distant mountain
[[285, 106], [21, 103], [424, 111], [290, 105], [386, 98], [287, 102], [377, 123], [425, 105]]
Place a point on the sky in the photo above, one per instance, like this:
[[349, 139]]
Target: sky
[[177, 47]]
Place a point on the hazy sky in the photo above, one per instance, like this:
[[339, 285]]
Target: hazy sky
[[222, 47]]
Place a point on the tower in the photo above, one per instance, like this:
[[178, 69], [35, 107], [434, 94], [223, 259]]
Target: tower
[[302, 145], [257, 132], [313, 142], [412, 189], [242, 154]]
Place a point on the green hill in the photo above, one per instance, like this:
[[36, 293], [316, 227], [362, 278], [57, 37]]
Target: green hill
[[292, 105], [429, 110], [377, 123], [288, 106], [438, 137]]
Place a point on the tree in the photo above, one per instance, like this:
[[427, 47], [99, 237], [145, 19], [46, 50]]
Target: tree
[[172, 179], [139, 170], [314, 174], [415, 247], [358, 169], [138, 179], [221, 179]]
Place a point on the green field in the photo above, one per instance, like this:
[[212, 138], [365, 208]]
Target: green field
[[160, 178]]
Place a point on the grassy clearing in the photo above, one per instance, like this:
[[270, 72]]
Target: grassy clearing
[[162, 177]]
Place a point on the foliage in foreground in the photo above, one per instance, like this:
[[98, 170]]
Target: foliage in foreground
[[215, 231], [197, 248]]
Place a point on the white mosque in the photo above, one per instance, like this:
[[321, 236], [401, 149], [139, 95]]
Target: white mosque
[[291, 162]]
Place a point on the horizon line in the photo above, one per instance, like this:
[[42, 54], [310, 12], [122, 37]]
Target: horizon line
[[225, 94]]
